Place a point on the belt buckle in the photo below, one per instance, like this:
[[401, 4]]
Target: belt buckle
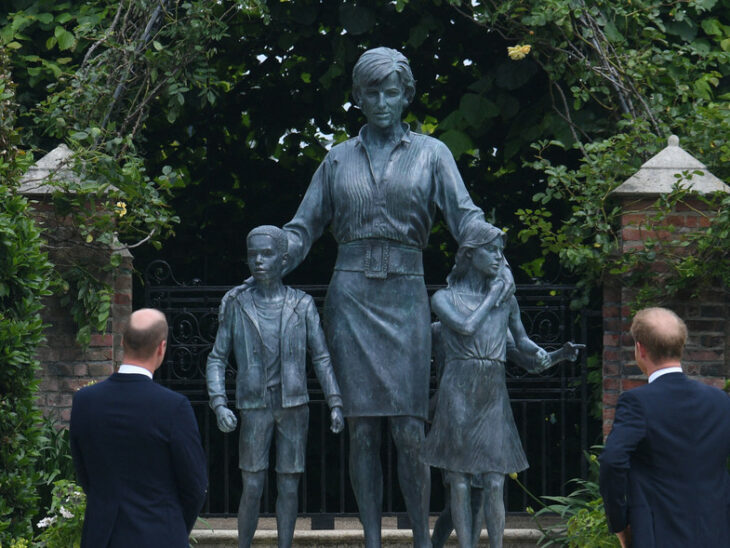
[[377, 258]]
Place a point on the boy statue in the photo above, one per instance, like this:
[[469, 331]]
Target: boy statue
[[268, 327]]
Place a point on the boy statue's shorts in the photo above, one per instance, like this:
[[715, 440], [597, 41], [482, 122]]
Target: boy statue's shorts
[[257, 429]]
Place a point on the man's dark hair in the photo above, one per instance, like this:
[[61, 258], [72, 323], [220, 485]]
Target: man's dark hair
[[141, 341], [661, 332]]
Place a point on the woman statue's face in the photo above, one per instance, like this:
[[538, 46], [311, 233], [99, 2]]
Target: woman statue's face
[[383, 103]]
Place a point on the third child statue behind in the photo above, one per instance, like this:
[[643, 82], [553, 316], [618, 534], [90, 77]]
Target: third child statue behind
[[473, 437]]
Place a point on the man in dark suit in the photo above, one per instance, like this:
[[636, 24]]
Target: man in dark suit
[[137, 451], [663, 473]]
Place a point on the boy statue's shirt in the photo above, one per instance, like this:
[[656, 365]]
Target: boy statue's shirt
[[269, 316]]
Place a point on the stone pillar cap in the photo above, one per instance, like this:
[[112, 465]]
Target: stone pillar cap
[[658, 175], [55, 165]]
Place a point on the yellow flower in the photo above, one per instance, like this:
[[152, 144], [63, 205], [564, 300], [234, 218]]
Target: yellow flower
[[90, 383], [513, 475], [517, 53], [89, 238], [120, 208]]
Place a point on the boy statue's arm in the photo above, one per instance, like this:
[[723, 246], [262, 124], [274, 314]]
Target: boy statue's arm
[[215, 371], [323, 367]]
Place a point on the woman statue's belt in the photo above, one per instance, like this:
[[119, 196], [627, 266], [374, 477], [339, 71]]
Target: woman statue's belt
[[378, 258]]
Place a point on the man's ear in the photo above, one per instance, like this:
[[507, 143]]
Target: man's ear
[[285, 259]]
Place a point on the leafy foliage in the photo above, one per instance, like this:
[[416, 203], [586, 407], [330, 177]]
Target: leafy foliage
[[24, 279], [63, 525], [582, 517], [118, 60], [623, 77], [213, 117]]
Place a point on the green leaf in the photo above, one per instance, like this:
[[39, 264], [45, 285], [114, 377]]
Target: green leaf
[[7, 34], [45, 18], [66, 40], [157, 45], [612, 33], [712, 27], [457, 141], [476, 109], [687, 29]]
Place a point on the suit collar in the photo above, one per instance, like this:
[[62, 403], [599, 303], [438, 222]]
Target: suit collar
[[665, 371], [129, 377], [127, 369]]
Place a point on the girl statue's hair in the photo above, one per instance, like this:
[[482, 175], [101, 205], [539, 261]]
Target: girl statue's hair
[[476, 234]]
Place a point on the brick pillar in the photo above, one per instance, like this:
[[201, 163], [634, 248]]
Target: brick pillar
[[65, 367], [707, 315]]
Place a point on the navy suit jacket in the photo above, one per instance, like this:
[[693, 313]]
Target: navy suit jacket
[[138, 456], [664, 466]]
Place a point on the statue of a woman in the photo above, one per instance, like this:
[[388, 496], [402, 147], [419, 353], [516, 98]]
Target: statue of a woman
[[378, 193]]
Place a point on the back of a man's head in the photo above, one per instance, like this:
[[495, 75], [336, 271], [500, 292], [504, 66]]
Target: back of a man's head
[[661, 332], [146, 328]]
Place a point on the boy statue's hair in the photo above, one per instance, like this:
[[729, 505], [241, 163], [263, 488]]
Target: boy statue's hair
[[276, 234]]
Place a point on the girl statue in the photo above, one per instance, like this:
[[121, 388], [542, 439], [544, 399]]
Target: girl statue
[[473, 437]]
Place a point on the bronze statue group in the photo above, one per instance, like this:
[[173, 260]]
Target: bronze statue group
[[378, 194], [136, 446]]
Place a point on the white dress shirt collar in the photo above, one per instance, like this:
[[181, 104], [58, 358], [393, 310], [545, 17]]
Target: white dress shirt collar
[[656, 374], [126, 369]]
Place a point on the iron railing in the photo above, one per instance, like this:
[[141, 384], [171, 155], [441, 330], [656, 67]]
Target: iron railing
[[551, 409]]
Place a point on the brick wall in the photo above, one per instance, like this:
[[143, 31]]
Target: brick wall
[[707, 354], [65, 367]]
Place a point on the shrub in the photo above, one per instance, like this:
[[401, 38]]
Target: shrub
[[24, 279], [582, 517], [62, 526]]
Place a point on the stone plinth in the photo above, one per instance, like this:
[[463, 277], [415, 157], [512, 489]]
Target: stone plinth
[[392, 538]]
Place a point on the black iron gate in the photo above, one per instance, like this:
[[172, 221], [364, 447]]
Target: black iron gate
[[551, 410]]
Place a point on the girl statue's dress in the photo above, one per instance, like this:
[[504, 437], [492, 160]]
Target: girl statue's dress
[[473, 429]]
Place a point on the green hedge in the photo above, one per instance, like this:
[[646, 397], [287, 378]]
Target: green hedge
[[25, 275]]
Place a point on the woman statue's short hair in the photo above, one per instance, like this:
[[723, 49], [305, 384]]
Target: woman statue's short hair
[[375, 65]]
